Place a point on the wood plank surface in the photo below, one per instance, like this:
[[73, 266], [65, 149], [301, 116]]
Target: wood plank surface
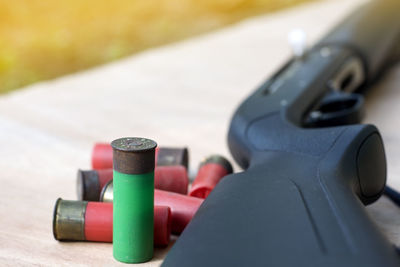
[[179, 95]]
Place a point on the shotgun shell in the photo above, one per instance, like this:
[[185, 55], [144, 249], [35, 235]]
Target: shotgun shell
[[92, 221], [133, 214], [211, 171], [168, 178], [90, 183], [183, 207], [167, 156], [171, 178], [102, 156]]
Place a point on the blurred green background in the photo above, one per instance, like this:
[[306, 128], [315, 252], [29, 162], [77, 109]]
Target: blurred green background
[[43, 39]]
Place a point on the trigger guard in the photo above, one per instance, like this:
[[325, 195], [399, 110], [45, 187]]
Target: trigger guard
[[337, 109]]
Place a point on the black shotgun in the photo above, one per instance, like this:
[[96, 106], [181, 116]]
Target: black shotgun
[[309, 166]]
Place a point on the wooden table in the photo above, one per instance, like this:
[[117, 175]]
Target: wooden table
[[180, 95]]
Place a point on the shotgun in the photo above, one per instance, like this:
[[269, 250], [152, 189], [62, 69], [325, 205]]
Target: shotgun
[[309, 166]]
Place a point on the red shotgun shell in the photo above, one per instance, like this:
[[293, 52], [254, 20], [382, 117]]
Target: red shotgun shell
[[172, 178], [165, 156], [211, 171], [183, 207], [102, 156], [92, 221], [168, 178], [89, 183]]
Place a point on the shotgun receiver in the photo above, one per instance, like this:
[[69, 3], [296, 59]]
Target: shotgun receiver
[[309, 167]]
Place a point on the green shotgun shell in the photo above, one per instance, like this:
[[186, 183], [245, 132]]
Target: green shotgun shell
[[133, 206]]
